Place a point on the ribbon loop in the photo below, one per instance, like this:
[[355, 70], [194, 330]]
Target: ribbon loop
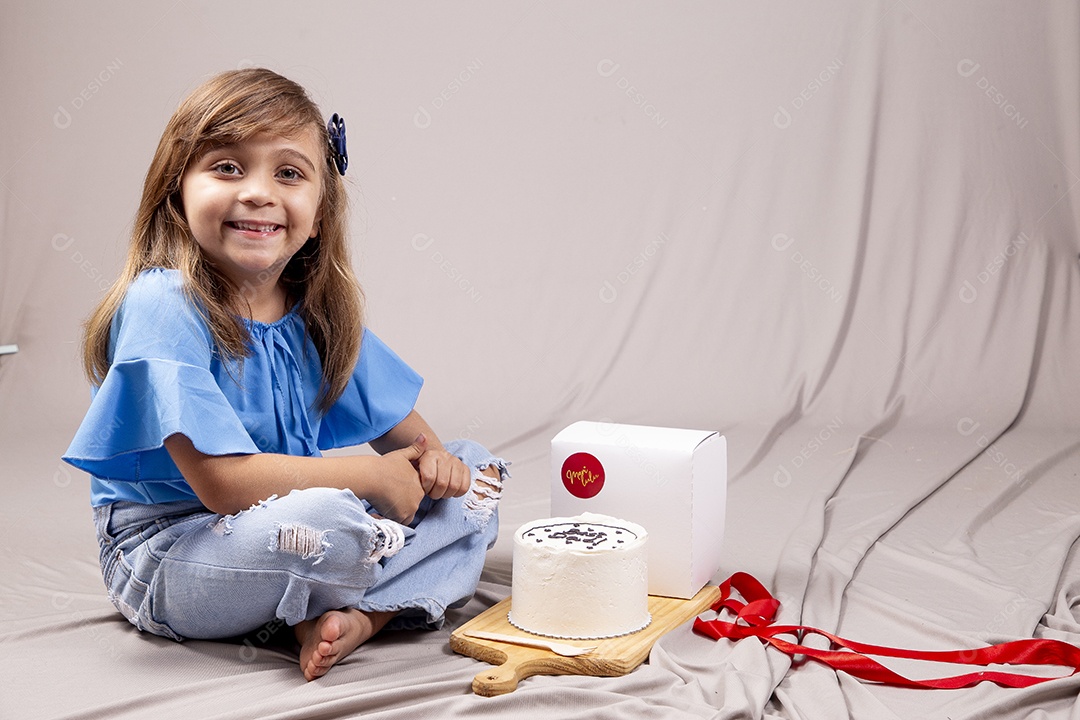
[[754, 618]]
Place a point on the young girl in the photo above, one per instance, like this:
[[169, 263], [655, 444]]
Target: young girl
[[227, 355]]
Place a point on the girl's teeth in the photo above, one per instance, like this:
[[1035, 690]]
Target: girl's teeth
[[255, 228]]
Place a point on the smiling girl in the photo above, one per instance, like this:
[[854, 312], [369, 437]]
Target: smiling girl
[[227, 356]]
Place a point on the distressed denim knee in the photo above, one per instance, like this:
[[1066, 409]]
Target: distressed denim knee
[[291, 558], [482, 499], [442, 563], [309, 522]]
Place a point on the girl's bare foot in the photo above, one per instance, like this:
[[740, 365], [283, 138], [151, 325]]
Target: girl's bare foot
[[333, 636]]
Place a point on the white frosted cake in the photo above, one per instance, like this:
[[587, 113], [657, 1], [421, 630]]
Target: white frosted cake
[[580, 577]]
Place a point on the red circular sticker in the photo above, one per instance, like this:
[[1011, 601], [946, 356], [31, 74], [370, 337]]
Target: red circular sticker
[[583, 475]]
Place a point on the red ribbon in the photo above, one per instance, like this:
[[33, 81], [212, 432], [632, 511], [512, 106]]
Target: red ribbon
[[754, 618]]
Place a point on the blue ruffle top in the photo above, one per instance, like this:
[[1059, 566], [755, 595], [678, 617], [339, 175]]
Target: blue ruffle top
[[165, 378]]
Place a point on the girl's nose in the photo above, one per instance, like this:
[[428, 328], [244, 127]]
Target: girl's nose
[[256, 190]]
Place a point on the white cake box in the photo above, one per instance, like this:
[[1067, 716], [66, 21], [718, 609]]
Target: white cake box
[[673, 482]]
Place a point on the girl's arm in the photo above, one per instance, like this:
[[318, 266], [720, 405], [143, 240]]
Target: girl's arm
[[403, 434], [227, 484]]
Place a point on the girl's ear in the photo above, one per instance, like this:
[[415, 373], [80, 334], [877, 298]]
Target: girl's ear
[[315, 227]]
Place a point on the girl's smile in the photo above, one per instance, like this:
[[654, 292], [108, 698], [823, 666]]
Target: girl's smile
[[254, 229], [251, 205]]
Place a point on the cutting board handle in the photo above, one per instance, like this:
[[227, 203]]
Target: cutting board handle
[[497, 680]]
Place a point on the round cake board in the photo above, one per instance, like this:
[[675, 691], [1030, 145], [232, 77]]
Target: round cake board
[[612, 656]]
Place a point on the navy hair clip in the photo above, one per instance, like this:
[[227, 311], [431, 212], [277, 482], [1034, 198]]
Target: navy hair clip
[[336, 129]]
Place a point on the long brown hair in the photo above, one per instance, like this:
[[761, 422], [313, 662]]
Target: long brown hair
[[229, 108]]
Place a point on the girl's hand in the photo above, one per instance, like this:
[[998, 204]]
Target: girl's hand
[[400, 491], [442, 475]]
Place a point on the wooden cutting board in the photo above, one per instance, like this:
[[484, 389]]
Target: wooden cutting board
[[612, 657]]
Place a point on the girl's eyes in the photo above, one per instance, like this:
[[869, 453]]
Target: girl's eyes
[[227, 168]]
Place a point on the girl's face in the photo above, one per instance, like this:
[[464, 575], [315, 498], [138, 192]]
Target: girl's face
[[251, 205]]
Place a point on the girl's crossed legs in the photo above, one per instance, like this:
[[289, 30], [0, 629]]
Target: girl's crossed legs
[[315, 559]]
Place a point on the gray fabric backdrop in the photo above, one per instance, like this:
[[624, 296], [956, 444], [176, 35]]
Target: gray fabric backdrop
[[843, 233]]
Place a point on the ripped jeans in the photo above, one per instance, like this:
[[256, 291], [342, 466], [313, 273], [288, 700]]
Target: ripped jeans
[[178, 570]]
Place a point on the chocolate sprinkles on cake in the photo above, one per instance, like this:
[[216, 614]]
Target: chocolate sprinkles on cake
[[591, 536]]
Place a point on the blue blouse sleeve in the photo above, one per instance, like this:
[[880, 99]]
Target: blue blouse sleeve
[[159, 384], [381, 392]]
